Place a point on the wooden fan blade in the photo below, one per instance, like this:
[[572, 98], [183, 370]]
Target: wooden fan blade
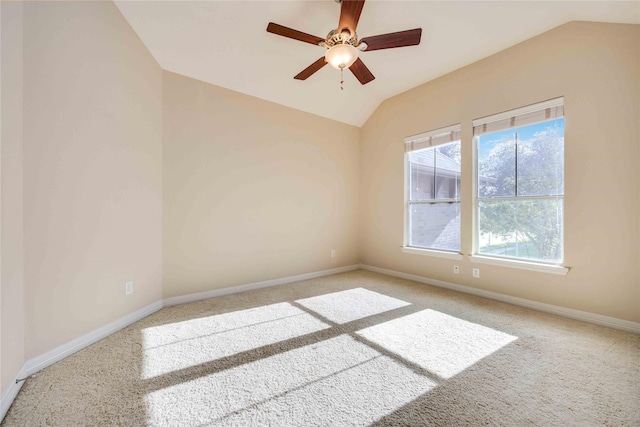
[[391, 40], [350, 15], [307, 72], [361, 72], [293, 34]]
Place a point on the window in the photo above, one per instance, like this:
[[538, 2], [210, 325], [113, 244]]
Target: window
[[519, 178], [432, 208]]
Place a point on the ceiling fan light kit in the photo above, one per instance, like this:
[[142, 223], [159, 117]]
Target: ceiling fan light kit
[[343, 46], [341, 56]]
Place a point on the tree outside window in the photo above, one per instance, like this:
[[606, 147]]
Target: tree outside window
[[520, 174]]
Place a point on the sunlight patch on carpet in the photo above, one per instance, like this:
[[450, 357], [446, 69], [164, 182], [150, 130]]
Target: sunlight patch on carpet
[[353, 304], [340, 381], [181, 345], [441, 344]]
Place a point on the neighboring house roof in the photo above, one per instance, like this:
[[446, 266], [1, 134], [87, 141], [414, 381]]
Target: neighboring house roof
[[445, 165], [443, 162]]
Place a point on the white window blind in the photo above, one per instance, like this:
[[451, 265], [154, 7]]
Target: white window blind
[[536, 113], [432, 138]]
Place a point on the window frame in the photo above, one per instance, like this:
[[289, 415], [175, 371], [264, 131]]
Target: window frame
[[500, 260], [428, 140]]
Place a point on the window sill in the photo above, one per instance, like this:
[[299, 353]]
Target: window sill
[[523, 265], [432, 252]]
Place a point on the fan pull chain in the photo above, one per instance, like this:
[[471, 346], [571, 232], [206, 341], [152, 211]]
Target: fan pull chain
[[341, 78]]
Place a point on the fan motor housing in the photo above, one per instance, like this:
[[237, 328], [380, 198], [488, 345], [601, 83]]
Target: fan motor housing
[[334, 37]]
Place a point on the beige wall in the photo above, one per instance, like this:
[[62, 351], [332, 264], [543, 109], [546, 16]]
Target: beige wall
[[596, 67], [92, 171], [252, 190], [11, 223]]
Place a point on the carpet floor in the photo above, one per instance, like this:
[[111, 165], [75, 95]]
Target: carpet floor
[[354, 349]]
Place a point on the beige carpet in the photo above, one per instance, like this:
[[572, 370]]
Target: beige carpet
[[353, 349]]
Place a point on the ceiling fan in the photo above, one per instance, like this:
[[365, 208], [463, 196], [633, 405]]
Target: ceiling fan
[[343, 45]]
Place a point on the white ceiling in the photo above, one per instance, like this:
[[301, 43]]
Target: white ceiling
[[226, 43]]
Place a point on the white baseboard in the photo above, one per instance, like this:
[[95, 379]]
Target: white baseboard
[[183, 299], [60, 352], [11, 392], [598, 319], [49, 358]]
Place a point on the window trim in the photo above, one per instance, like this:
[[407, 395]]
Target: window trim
[[521, 263], [438, 253], [430, 139]]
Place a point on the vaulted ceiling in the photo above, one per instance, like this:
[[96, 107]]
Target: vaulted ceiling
[[226, 43]]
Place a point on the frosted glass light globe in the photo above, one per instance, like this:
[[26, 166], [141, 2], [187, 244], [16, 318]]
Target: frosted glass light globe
[[341, 56]]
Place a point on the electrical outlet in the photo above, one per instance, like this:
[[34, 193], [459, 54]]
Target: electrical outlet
[[128, 287], [456, 269], [476, 272], [333, 253]]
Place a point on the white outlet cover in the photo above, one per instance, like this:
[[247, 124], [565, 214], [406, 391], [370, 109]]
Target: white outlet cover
[[128, 288], [456, 269], [476, 272]]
